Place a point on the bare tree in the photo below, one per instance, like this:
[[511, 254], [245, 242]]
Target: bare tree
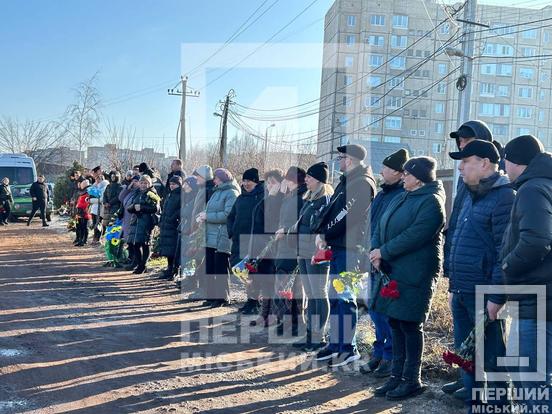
[[122, 140], [82, 118], [41, 140]]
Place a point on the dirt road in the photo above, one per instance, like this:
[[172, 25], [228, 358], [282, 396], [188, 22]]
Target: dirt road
[[79, 338]]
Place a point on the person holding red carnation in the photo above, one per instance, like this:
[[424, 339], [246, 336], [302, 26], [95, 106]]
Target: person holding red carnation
[[407, 248]]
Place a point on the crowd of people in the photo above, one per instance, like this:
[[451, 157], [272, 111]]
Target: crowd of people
[[298, 237]]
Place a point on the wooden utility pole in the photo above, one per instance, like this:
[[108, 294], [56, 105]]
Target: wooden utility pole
[[183, 93], [223, 148]]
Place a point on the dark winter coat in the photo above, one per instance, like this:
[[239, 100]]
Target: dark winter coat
[[111, 197], [5, 193], [240, 220], [344, 220], [125, 197], [526, 254], [473, 258], [172, 174], [306, 225], [409, 236], [386, 194], [217, 210], [286, 252], [461, 195], [266, 217], [142, 222], [40, 192], [169, 222]]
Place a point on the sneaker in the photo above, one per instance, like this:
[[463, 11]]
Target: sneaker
[[384, 369], [454, 386], [370, 366], [344, 358], [325, 354], [45, 225], [390, 385], [406, 389]]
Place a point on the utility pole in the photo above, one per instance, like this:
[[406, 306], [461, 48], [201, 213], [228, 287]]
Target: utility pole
[[464, 84], [223, 150], [266, 145], [183, 93]]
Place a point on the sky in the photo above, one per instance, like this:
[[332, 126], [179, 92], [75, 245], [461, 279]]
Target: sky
[[139, 48]]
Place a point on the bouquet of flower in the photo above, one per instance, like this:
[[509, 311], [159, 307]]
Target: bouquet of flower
[[390, 288], [251, 265], [464, 358], [72, 224], [322, 256], [350, 280]]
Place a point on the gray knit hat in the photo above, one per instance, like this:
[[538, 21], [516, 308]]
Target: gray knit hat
[[205, 171]]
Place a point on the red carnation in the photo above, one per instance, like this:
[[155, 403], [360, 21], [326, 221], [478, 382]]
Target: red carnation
[[393, 285], [322, 256]]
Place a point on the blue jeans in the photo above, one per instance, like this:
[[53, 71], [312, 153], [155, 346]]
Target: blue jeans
[[383, 345], [524, 333], [463, 318], [343, 306]]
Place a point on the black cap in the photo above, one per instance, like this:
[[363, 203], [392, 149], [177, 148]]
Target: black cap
[[354, 150], [319, 171], [423, 168], [523, 149], [251, 174], [480, 148], [96, 169], [473, 129], [396, 160]]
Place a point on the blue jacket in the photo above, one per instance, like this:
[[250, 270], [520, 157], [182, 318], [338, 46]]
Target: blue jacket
[[473, 258]]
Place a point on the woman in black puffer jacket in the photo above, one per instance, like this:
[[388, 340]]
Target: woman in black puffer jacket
[[168, 225]]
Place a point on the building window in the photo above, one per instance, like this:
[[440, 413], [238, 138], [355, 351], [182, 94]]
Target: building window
[[423, 113], [525, 92], [393, 140], [544, 77], [439, 127], [372, 101], [500, 129], [377, 20], [344, 140], [421, 132], [394, 102], [499, 29], [528, 51], [445, 28], [375, 121], [349, 60], [524, 112], [442, 88], [343, 120], [419, 53], [374, 81], [398, 62], [541, 116], [425, 73], [348, 80], [542, 95], [504, 70], [504, 90], [442, 68], [488, 69], [376, 41], [523, 131], [351, 39], [526, 73], [351, 21], [546, 36], [494, 49], [400, 22], [397, 83], [439, 108], [376, 60], [486, 89], [393, 122], [413, 132], [529, 34], [489, 109], [437, 148], [347, 101], [399, 41]]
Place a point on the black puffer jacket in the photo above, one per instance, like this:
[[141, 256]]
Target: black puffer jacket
[[168, 224], [111, 195], [286, 253], [142, 222], [40, 192], [312, 208], [526, 252], [344, 220], [240, 220]]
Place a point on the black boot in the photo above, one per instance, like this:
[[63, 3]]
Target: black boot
[[390, 385], [406, 389]]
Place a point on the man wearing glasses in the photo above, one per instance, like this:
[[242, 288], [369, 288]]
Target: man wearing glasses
[[341, 229]]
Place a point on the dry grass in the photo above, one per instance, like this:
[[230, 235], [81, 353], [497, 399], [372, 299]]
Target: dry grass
[[438, 335]]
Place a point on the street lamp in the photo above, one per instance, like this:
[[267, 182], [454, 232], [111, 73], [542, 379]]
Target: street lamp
[[266, 144]]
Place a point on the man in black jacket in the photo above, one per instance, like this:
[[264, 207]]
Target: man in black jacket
[[176, 171], [111, 201], [341, 229], [527, 259], [40, 195]]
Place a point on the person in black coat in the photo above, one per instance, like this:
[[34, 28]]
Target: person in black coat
[[40, 195], [176, 171], [111, 201], [239, 223], [5, 201], [168, 225]]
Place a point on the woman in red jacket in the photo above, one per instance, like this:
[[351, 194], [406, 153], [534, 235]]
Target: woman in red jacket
[[83, 213]]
